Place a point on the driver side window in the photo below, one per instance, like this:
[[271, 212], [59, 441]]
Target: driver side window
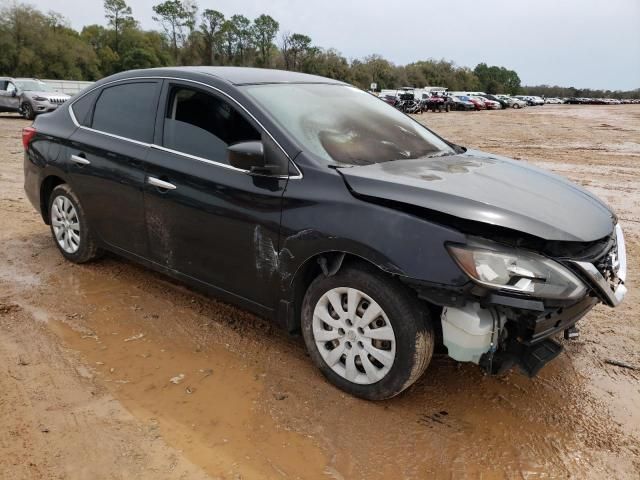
[[11, 87], [203, 125]]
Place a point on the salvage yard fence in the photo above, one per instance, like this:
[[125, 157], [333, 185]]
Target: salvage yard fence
[[70, 87]]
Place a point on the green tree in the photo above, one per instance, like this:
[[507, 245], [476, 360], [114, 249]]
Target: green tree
[[242, 29], [174, 16], [228, 36], [494, 79], [264, 31], [210, 27], [119, 15], [38, 45], [294, 49], [375, 69]]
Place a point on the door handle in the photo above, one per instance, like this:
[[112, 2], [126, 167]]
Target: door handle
[[79, 160], [156, 182]]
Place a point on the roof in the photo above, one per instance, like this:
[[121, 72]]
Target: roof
[[248, 76]]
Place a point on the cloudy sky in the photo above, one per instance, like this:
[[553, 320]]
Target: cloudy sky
[[581, 43]]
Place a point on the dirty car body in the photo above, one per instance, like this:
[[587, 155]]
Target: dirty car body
[[495, 255]]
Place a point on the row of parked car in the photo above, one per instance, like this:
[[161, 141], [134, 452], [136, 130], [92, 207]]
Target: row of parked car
[[437, 99], [600, 101]]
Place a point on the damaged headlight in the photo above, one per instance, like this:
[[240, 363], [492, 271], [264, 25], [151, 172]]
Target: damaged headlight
[[518, 271]]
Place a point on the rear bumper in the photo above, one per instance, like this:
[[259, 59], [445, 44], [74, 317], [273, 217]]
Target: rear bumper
[[32, 183]]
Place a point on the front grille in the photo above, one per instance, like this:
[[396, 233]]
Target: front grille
[[57, 100], [609, 265], [607, 273]]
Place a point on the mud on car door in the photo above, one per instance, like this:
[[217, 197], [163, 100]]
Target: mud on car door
[[206, 219], [105, 158]]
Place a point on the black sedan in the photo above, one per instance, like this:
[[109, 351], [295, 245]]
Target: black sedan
[[311, 202]]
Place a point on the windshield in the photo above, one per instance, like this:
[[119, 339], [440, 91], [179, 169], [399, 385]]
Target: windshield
[[32, 86], [343, 124]]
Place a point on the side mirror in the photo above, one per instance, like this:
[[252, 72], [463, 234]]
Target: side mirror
[[14, 93], [247, 156]]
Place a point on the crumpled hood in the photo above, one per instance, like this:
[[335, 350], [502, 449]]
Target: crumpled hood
[[490, 189]]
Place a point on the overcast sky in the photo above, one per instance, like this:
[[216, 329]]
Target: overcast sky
[[581, 43]]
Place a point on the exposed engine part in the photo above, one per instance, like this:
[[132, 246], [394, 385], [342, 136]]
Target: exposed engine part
[[471, 331]]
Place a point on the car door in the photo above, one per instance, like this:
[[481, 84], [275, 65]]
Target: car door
[[105, 158], [206, 219], [9, 100]]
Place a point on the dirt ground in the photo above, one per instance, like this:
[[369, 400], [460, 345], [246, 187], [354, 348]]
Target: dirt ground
[[87, 355]]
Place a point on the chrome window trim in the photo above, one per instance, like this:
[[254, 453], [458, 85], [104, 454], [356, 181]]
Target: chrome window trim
[[297, 176], [213, 162]]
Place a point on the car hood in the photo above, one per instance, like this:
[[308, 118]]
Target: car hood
[[34, 93], [490, 189]]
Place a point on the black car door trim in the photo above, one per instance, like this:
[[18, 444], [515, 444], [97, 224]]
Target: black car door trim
[[193, 157]]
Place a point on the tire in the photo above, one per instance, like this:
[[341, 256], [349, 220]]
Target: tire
[[406, 356], [27, 111], [76, 241]]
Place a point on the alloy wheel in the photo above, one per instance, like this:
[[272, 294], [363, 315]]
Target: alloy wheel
[[354, 335], [66, 225]]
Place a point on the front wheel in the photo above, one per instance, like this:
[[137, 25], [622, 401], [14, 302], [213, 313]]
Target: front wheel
[[27, 111], [366, 333]]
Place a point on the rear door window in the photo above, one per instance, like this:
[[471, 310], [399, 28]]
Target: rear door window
[[201, 124], [128, 110]]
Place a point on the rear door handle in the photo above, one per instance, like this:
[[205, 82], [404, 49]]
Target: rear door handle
[[79, 160], [156, 182]]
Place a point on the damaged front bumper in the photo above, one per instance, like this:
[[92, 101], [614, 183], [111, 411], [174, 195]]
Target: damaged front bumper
[[497, 329], [608, 276]]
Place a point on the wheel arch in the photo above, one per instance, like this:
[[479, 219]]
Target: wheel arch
[[328, 263], [46, 187]]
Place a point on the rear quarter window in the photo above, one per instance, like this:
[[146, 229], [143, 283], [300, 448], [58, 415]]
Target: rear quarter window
[[83, 108], [128, 110]]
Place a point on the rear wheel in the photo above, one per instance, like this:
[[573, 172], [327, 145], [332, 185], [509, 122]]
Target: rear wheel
[[366, 333], [69, 226]]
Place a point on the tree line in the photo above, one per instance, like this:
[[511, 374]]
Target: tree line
[[37, 44]]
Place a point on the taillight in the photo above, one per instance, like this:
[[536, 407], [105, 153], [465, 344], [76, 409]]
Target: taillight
[[27, 135]]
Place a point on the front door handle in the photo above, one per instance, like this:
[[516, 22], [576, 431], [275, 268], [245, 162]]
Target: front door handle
[[156, 182], [79, 160]]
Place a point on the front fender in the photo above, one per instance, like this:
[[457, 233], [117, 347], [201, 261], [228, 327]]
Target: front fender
[[320, 215]]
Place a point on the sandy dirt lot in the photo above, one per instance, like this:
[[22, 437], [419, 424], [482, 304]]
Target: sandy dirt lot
[[87, 354]]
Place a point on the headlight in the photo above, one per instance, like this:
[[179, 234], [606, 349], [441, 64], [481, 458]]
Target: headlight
[[518, 271], [38, 98]]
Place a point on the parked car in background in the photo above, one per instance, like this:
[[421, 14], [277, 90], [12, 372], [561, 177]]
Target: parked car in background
[[503, 103], [553, 101], [437, 103], [478, 104], [513, 102], [309, 202], [531, 100], [390, 99], [28, 96], [462, 105], [490, 104]]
